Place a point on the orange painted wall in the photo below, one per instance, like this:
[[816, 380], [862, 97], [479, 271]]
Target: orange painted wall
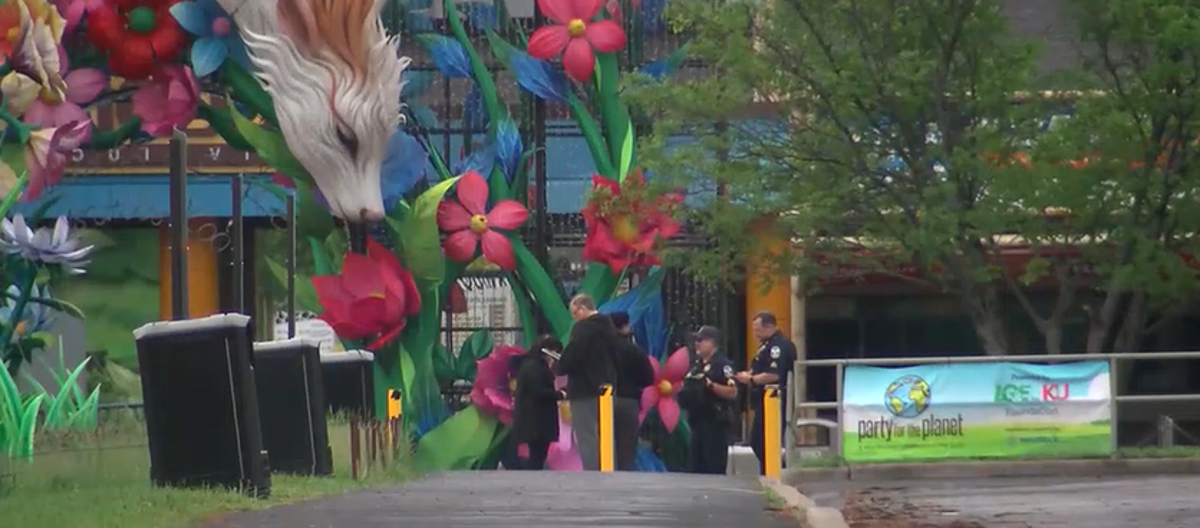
[[767, 289], [203, 279]]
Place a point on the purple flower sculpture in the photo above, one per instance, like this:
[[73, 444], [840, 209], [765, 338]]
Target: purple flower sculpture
[[494, 383], [45, 245]]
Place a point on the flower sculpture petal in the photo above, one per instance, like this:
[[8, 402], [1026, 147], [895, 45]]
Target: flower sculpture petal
[[575, 34], [216, 36], [137, 35], [667, 381], [47, 154], [563, 456], [168, 101], [45, 245], [372, 298], [74, 10], [470, 223], [38, 54], [495, 382], [84, 85], [624, 227]]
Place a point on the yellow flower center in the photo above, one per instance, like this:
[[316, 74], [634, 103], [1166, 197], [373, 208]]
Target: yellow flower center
[[378, 295], [625, 229], [576, 28], [479, 223], [665, 388]]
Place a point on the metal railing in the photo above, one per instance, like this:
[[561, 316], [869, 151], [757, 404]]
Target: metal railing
[[795, 407]]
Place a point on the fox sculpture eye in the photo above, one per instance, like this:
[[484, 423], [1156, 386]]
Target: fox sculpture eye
[[334, 75]]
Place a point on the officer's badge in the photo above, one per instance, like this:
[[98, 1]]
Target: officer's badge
[[707, 368], [728, 371], [775, 352]]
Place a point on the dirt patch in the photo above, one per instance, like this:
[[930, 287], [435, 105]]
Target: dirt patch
[[879, 508]]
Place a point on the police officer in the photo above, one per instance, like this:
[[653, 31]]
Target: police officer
[[771, 365], [709, 391]]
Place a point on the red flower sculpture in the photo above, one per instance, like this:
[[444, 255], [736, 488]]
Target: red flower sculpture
[[622, 228], [574, 34], [471, 225], [372, 297], [138, 35]]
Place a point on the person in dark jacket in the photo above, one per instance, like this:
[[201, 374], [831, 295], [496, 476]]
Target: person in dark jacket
[[634, 374], [588, 362], [535, 401]]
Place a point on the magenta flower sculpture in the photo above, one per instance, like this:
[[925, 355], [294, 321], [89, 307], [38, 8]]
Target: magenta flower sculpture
[[494, 383]]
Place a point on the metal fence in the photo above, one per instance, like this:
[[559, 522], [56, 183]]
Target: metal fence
[[796, 409]]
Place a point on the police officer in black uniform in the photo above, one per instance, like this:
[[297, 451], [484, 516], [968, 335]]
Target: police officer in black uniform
[[708, 395], [771, 365]]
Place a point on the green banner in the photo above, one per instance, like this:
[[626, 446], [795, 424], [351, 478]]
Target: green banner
[[994, 410]]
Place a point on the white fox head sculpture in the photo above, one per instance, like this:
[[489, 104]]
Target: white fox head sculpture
[[334, 75]]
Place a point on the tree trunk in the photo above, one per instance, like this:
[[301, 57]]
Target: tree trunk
[[1052, 333], [1101, 319], [1133, 325], [983, 305]]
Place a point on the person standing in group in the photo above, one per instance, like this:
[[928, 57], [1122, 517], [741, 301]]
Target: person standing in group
[[634, 374], [588, 362], [708, 396], [535, 401], [771, 365]]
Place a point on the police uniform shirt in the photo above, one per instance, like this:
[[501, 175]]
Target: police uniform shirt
[[777, 355], [718, 370]]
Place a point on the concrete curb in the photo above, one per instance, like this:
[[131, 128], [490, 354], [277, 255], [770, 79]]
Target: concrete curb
[[810, 515], [1097, 468]]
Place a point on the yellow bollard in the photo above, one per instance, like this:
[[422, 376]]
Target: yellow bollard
[[393, 404], [606, 429], [771, 432]]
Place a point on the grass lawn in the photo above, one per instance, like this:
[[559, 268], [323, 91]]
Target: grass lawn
[[105, 484]]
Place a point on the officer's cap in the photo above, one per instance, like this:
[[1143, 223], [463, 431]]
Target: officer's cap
[[708, 332]]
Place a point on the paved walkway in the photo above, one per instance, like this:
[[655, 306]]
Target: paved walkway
[[1141, 502], [524, 499]]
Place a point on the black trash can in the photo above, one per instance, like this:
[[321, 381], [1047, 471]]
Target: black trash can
[[349, 382], [291, 403], [201, 405]]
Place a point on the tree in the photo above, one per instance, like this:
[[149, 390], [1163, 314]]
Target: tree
[[894, 137], [1127, 167]]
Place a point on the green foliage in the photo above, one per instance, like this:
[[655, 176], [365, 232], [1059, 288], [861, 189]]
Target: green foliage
[[67, 407], [461, 442], [896, 115], [270, 145], [910, 135], [417, 231], [18, 418], [452, 367], [306, 295]]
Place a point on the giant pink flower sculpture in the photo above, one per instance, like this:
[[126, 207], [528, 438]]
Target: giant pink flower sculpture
[[168, 101], [494, 383], [661, 395]]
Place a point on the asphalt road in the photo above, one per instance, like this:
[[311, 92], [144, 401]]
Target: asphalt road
[[526, 499], [1145, 502]]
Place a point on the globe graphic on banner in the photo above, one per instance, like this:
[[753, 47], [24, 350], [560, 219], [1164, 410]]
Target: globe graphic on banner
[[907, 397]]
